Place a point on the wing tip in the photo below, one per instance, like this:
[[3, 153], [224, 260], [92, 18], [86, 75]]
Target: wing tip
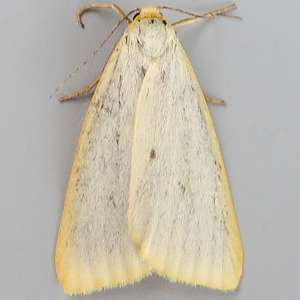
[[230, 285], [226, 279], [72, 286]]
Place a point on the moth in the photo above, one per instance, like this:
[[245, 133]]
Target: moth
[[148, 190]]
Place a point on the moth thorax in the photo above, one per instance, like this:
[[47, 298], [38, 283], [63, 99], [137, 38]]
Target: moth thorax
[[152, 36]]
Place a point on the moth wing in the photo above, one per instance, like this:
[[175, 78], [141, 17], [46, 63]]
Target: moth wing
[[181, 214], [94, 250]]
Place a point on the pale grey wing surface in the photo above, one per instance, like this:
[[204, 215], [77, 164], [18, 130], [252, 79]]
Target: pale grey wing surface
[[181, 214], [94, 250]]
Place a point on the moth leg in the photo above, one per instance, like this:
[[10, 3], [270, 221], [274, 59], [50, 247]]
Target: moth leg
[[116, 8], [77, 94], [209, 15], [215, 101]]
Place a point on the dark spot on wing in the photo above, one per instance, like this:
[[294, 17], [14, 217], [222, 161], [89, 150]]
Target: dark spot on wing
[[152, 154], [217, 163], [144, 71], [117, 137], [163, 74], [182, 187], [111, 202]]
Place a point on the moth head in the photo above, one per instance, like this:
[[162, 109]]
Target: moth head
[[150, 12]]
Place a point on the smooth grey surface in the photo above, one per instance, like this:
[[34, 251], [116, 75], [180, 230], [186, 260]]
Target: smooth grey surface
[[253, 64]]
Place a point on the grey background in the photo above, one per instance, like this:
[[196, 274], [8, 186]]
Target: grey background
[[253, 64]]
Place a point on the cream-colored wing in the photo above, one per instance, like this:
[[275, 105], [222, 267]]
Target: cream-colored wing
[[94, 250], [181, 215]]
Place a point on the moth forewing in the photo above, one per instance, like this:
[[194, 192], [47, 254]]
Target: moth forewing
[[94, 250], [181, 215]]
